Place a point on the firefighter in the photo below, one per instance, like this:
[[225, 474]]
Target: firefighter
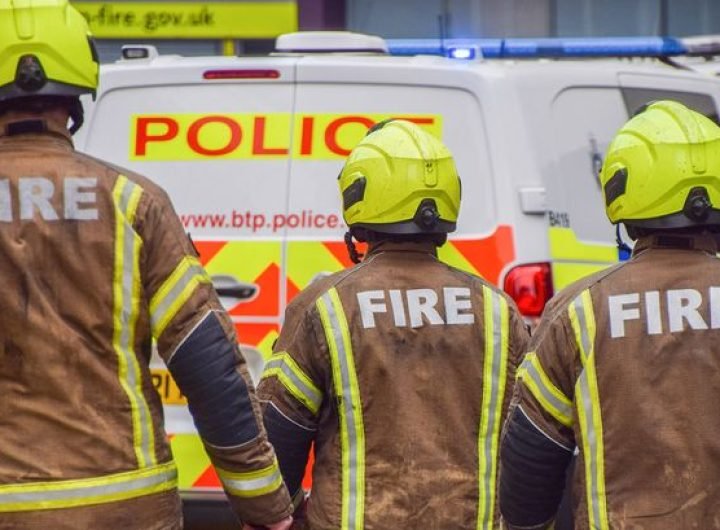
[[625, 365], [94, 267], [399, 369]]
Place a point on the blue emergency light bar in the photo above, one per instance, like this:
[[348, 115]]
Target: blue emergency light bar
[[540, 48]]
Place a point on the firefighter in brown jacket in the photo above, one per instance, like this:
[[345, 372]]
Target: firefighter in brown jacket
[[399, 369], [94, 266], [625, 364]]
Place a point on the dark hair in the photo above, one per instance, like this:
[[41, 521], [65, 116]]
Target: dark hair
[[40, 104]]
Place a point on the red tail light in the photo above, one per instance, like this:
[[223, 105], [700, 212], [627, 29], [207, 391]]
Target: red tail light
[[241, 74], [530, 286]]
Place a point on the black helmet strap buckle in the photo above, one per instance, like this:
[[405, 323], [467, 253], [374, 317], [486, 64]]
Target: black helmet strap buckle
[[30, 75], [427, 216], [697, 205]]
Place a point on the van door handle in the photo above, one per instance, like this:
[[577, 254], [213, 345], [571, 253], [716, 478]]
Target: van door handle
[[229, 287]]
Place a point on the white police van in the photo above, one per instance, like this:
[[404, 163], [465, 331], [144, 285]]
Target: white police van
[[249, 149]]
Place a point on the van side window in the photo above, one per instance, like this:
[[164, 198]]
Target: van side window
[[636, 98]]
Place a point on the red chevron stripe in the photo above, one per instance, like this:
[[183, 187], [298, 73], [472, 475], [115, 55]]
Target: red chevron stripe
[[267, 302], [339, 250], [490, 255], [208, 479], [208, 249]]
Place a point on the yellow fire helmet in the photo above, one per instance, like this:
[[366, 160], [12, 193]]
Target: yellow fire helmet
[[662, 169], [400, 179], [45, 50]]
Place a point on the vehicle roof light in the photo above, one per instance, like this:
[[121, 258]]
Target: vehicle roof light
[[329, 42], [130, 52], [241, 74], [702, 45], [464, 52], [544, 48], [595, 47]]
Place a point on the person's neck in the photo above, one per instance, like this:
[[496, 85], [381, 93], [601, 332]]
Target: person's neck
[[52, 121]]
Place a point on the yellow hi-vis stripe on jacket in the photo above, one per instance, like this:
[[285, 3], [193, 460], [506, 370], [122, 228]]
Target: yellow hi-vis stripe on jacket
[[550, 397], [494, 377], [174, 292], [352, 431], [126, 305], [251, 483], [34, 496], [295, 381], [582, 319]]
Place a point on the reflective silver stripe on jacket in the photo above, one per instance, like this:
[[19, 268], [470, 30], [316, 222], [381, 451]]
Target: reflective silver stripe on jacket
[[252, 483], [49, 495]]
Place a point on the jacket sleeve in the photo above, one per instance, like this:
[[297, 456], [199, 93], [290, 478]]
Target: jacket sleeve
[[196, 339], [538, 441], [292, 393]]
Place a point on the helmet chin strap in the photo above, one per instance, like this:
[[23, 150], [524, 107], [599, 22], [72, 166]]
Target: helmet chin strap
[[77, 116], [355, 256]]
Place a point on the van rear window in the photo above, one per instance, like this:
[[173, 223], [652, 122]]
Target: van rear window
[[636, 98]]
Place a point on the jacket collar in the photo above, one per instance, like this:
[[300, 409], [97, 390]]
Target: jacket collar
[[425, 247], [24, 126], [704, 242]]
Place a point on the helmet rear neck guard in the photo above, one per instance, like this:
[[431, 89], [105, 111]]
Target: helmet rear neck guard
[[697, 212], [426, 221]]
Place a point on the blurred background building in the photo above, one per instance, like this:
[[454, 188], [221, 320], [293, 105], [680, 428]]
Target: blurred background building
[[237, 27]]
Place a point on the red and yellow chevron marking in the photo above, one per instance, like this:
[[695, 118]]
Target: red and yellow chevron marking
[[307, 259], [250, 261], [194, 468], [485, 257]]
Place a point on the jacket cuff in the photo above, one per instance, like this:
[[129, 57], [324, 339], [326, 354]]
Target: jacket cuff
[[251, 477], [263, 510]]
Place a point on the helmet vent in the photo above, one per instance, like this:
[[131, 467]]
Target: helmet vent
[[354, 193], [616, 186], [30, 75]]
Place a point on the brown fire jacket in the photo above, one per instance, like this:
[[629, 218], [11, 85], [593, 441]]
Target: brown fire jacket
[[400, 370], [94, 265], [626, 366]]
